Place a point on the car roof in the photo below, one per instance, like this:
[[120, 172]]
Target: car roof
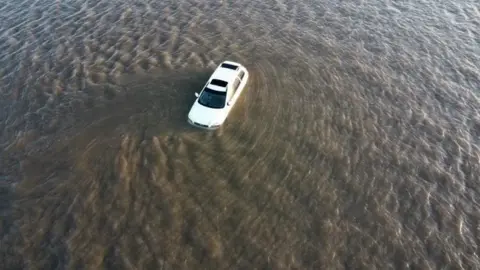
[[226, 74]]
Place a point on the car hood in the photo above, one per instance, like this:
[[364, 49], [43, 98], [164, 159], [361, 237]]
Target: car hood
[[204, 115]]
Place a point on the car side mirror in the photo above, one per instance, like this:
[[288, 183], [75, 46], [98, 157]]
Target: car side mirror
[[196, 94], [229, 103]]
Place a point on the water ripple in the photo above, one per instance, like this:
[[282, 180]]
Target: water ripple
[[355, 144]]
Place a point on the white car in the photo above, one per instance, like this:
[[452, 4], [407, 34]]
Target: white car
[[220, 93]]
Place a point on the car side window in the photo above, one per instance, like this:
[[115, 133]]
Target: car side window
[[236, 84], [233, 88], [230, 93], [241, 74]]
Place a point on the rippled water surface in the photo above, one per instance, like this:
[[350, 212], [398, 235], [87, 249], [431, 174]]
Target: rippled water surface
[[355, 144]]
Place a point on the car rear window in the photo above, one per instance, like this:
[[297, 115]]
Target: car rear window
[[229, 66], [219, 83]]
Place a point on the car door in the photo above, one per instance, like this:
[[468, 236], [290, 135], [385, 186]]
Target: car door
[[233, 91], [241, 74]]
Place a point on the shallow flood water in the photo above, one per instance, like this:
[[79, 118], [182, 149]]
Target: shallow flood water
[[355, 144]]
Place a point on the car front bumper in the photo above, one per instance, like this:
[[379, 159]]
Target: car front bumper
[[195, 124]]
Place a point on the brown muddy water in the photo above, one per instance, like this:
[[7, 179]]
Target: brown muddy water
[[354, 146]]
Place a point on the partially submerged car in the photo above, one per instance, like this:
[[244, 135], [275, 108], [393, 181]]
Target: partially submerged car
[[220, 93]]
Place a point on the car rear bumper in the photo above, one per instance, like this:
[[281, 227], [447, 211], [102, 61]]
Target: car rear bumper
[[202, 126]]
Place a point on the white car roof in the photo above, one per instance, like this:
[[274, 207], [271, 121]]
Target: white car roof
[[225, 74]]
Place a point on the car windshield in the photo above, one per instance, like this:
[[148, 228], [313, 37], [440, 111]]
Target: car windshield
[[212, 99]]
